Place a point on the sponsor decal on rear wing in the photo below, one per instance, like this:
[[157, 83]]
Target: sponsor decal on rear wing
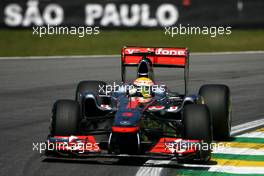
[[159, 56]]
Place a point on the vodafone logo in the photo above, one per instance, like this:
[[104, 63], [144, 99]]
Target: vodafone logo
[[172, 52], [158, 51], [130, 51]]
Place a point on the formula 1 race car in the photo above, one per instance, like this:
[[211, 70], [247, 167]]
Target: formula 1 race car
[[141, 119]]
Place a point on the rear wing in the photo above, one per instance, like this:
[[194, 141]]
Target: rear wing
[[159, 57]]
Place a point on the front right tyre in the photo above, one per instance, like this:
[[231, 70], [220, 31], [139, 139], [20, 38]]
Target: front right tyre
[[197, 122], [197, 126]]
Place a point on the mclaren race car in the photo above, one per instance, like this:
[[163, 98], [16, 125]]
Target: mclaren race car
[[141, 118]]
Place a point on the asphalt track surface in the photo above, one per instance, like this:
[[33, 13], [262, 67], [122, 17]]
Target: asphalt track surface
[[29, 87]]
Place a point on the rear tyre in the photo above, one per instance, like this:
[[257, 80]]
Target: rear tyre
[[88, 107], [88, 86], [65, 118], [217, 98], [94, 87]]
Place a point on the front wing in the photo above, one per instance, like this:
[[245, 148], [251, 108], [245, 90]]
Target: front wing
[[87, 147]]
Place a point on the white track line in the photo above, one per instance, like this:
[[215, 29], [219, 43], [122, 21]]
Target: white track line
[[252, 135], [153, 171], [229, 169], [246, 126], [239, 151], [237, 170], [156, 171], [116, 55]]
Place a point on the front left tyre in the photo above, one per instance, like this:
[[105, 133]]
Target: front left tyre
[[65, 118]]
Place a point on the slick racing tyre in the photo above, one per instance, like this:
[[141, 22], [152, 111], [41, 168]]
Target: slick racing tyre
[[217, 98], [88, 86], [197, 122], [197, 126], [94, 87], [65, 118]]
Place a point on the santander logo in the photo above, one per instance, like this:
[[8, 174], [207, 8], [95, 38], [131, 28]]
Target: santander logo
[[159, 51]]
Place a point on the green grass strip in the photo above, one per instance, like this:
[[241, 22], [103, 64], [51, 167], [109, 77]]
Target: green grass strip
[[248, 140], [24, 43], [182, 172], [238, 157]]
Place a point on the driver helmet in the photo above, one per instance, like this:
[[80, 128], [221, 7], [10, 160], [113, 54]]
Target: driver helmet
[[143, 88]]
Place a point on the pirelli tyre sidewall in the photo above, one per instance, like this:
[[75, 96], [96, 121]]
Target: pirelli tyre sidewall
[[65, 118], [217, 98]]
